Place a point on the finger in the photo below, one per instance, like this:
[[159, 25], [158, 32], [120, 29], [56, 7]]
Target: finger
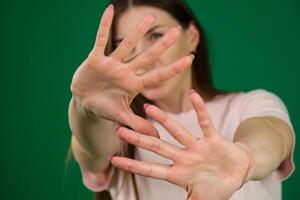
[[141, 168], [202, 115], [173, 127], [159, 75], [149, 143], [138, 124], [130, 42], [103, 30], [150, 55]]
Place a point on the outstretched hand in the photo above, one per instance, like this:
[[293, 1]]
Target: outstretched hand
[[106, 86], [208, 168]]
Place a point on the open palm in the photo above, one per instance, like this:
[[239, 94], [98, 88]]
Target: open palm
[[208, 168], [106, 85]]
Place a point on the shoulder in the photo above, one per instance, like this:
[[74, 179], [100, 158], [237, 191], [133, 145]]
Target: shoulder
[[254, 103], [242, 96], [245, 98], [260, 94], [261, 98], [261, 102], [240, 99]]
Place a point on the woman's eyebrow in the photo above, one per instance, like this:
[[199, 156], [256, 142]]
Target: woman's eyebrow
[[149, 31], [153, 28]]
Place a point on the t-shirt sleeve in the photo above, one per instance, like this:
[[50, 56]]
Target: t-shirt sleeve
[[97, 182], [263, 103]]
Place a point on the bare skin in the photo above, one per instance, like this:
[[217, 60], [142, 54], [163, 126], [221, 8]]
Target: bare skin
[[208, 168], [104, 86], [211, 167]]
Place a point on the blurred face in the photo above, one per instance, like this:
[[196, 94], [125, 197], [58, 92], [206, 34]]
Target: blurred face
[[186, 43]]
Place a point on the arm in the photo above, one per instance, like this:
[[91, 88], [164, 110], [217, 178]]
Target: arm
[[269, 139], [93, 139], [210, 166], [103, 88]]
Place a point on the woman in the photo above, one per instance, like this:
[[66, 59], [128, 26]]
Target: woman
[[236, 145]]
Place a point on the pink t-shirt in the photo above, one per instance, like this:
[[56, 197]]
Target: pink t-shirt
[[226, 112]]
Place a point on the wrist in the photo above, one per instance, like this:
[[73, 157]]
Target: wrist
[[251, 164], [80, 108]]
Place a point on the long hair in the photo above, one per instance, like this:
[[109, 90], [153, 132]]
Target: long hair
[[201, 70]]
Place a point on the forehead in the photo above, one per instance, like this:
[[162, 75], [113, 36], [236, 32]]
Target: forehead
[[130, 18]]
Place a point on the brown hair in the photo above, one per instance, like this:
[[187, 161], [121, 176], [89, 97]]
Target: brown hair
[[201, 71]]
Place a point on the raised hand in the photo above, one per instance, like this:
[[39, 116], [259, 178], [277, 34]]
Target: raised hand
[[208, 168], [106, 86]]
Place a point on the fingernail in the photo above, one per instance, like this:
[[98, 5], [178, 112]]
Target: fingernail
[[146, 105], [179, 27], [193, 91], [152, 17], [192, 56], [116, 128], [111, 6], [109, 158]]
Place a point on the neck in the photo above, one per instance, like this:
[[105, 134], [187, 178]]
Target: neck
[[175, 104], [178, 101]]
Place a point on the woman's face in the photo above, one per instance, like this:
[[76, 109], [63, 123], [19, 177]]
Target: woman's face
[[186, 43]]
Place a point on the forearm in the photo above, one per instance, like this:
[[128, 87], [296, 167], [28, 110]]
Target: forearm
[[93, 139], [269, 140]]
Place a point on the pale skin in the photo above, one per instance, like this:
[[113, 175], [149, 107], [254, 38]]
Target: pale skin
[[104, 86], [208, 168]]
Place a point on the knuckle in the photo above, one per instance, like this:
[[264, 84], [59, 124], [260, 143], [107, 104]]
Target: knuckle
[[179, 131], [140, 28], [101, 35], [165, 44], [205, 123], [176, 68], [163, 119], [128, 44], [137, 126], [102, 42], [150, 171], [150, 56], [177, 157], [155, 146], [101, 39], [136, 140], [158, 76], [130, 167]]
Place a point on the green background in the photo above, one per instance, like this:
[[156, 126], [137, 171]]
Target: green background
[[253, 44]]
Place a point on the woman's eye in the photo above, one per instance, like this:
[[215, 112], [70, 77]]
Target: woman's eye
[[155, 36]]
